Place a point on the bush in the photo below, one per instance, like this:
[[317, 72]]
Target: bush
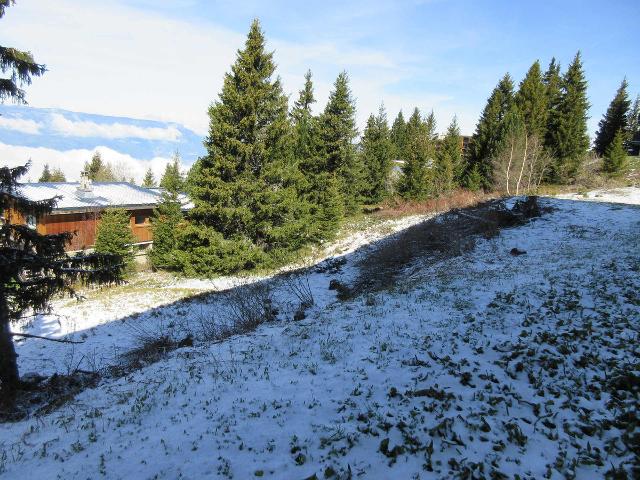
[[115, 236]]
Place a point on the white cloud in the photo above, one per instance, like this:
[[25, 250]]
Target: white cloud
[[20, 125], [84, 128], [71, 162]]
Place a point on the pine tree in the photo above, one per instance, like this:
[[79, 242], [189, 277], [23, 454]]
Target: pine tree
[[531, 100], [569, 138], [615, 157], [149, 180], [398, 136], [94, 167], [337, 133], [164, 223], [553, 91], [615, 120], [172, 179], [486, 140], [46, 174], [20, 66], [376, 151], [245, 190], [634, 120], [449, 159], [34, 268], [303, 123], [57, 176], [114, 235], [415, 183]]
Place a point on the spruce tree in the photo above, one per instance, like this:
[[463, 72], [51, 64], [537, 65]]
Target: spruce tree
[[376, 151], [57, 176], [94, 167], [449, 159], [553, 91], [398, 136], [303, 124], [486, 140], [615, 158], [531, 100], [569, 138], [615, 120], [415, 181], [149, 180], [337, 133], [245, 190], [114, 235], [164, 224], [634, 120], [172, 179], [46, 174]]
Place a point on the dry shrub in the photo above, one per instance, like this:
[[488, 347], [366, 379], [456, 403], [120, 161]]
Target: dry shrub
[[460, 198]]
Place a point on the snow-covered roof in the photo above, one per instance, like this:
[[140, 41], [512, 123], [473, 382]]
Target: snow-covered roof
[[101, 195]]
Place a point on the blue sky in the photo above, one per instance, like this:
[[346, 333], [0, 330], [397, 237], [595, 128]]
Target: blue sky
[[162, 62]]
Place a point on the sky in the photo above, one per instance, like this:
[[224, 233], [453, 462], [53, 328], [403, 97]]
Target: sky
[[134, 78]]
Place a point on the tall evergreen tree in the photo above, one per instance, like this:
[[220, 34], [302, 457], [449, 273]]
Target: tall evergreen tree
[[486, 140], [449, 158], [149, 180], [95, 166], [553, 91], [615, 120], [399, 136], [318, 187], [415, 182], [337, 133], [172, 179], [615, 157], [531, 100], [376, 151], [634, 120], [569, 138], [164, 224], [46, 174], [245, 190]]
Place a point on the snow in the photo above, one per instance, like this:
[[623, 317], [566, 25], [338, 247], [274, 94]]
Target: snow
[[438, 375], [627, 195]]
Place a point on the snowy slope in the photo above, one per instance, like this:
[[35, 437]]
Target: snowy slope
[[486, 363]]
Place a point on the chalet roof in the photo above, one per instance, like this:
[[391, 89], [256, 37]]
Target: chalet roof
[[102, 195]]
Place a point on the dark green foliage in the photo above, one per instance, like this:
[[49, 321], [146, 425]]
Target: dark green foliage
[[569, 140], [34, 268], [399, 136], [615, 120], [553, 91], [20, 66], [99, 170], [318, 187], [486, 140], [415, 182], [531, 100], [164, 224], [449, 166], [246, 188], [46, 174], [376, 151], [149, 180], [634, 120], [337, 133], [57, 176], [172, 179], [615, 158], [114, 235]]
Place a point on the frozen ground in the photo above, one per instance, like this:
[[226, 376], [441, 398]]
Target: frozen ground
[[628, 195], [486, 365]]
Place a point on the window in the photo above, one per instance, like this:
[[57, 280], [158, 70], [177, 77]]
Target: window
[[31, 222], [140, 219]]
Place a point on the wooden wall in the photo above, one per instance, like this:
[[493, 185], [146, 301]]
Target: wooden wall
[[85, 225]]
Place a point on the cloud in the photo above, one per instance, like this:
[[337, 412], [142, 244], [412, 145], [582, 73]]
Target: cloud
[[71, 162], [20, 125], [61, 124]]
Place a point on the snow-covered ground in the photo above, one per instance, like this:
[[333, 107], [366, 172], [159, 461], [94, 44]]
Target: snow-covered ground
[[628, 195], [486, 365]]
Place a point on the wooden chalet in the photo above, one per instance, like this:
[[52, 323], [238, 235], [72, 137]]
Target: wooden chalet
[[80, 205]]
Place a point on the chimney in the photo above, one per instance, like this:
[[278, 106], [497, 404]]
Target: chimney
[[85, 182]]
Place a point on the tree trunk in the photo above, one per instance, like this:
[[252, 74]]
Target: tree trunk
[[524, 162], [9, 377]]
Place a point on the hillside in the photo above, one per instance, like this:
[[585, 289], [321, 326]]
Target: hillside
[[488, 362]]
